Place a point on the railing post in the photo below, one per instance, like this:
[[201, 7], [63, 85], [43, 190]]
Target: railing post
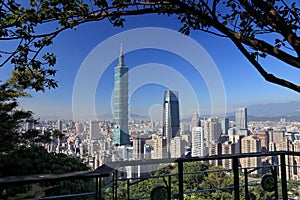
[[246, 184], [274, 173], [169, 188], [235, 167], [113, 186], [180, 180], [116, 184], [97, 188], [283, 177], [128, 189], [100, 185]]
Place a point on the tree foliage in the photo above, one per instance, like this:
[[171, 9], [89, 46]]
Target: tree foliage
[[36, 160], [12, 137], [198, 177], [11, 117], [22, 153], [258, 28]]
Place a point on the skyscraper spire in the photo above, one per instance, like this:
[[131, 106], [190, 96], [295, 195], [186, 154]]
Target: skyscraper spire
[[121, 57], [121, 49]]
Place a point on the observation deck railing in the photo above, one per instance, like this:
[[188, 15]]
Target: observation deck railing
[[110, 171]]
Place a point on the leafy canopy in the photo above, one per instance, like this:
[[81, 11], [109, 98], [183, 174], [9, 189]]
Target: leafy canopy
[[258, 28]]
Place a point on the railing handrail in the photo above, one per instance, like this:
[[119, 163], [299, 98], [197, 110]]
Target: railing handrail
[[117, 164], [109, 168], [125, 163], [50, 177]]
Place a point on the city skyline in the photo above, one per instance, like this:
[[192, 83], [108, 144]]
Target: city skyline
[[239, 77]]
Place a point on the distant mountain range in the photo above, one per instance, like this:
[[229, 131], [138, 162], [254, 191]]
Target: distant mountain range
[[275, 109], [132, 116], [256, 112]]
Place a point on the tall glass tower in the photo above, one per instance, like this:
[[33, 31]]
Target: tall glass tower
[[241, 121], [170, 117], [120, 134]]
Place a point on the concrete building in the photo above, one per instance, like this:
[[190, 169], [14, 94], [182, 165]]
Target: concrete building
[[160, 148], [263, 135], [212, 130], [286, 145], [198, 148], [213, 149], [195, 121], [241, 121], [251, 144], [94, 130], [138, 143], [177, 147], [78, 128], [227, 147], [224, 125]]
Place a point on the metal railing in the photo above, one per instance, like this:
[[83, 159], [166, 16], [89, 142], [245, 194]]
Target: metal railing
[[279, 172]]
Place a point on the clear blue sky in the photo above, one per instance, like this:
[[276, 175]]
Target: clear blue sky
[[243, 85]]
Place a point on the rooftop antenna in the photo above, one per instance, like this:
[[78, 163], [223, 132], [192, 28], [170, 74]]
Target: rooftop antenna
[[121, 49]]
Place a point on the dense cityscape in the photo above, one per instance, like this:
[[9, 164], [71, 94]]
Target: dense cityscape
[[120, 139], [91, 140]]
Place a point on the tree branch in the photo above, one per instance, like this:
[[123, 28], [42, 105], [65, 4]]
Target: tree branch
[[275, 21], [268, 77]]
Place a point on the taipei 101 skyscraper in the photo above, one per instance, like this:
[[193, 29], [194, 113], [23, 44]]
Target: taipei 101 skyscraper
[[120, 134]]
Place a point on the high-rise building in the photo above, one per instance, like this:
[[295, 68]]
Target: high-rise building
[[195, 121], [177, 147], [78, 128], [138, 143], [94, 130], [59, 125], [263, 135], [120, 134], [286, 145], [212, 130], [171, 123], [227, 148], [198, 148], [251, 144], [159, 148], [224, 125], [241, 121]]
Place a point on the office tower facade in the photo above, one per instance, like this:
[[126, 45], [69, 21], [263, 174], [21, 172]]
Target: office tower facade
[[251, 144], [59, 125], [177, 147], [78, 128], [213, 149], [263, 135], [227, 148], [198, 148], [159, 148], [286, 145], [241, 121], [120, 134], [195, 121], [224, 125], [94, 130], [138, 143], [171, 124], [212, 130]]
